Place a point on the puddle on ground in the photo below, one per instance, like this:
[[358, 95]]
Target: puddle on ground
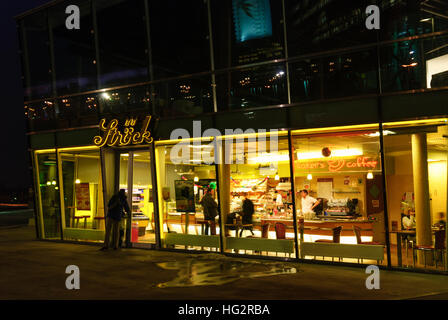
[[205, 272]]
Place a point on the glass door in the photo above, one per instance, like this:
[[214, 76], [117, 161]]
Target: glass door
[[48, 191], [143, 224], [135, 178]]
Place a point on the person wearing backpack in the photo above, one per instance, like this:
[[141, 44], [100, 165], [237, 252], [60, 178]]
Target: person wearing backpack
[[116, 209]]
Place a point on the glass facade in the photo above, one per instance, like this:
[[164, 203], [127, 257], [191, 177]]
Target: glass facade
[[122, 59], [187, 49], [82, 200], [257, 210], [341, 172], [346, 194], [188, 196], [369, 189], [223, 55], [74, 51], [47, 183], [416, 181], [36, 56]]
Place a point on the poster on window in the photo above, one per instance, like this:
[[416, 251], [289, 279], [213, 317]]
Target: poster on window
[[184, 190], [82, 191]]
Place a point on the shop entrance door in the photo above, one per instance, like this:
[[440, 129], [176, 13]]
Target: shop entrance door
[[135, 177]]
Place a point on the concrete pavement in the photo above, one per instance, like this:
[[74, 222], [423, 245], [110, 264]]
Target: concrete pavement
[[32, 269]]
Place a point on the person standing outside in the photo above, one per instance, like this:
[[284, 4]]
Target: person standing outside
[[210, 208], [117, 207]]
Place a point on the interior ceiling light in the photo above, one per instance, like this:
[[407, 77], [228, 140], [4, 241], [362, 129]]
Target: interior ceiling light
[[377, 134]]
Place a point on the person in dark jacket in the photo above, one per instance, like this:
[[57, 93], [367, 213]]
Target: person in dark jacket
[[210, 208], [247, 213], [116, 209]]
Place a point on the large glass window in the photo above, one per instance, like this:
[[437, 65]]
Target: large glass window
[[414, 64], [74, 50], [179, 37], [412, 17], [182, 97], [82, 194], [256, 195], [247, 31], [339, 195], [416, 177], [122, 41], [252, 87], [314, 26], [37, 55], [188, 196], [48, 193]]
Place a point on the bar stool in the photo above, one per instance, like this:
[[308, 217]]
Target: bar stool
[[439, 246]]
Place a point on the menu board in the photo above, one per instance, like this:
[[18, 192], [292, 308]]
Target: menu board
[[184, 190], [82, 191], [325, 188]]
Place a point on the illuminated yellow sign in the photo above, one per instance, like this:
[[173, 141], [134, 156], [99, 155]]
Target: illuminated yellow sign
[[112, 136]]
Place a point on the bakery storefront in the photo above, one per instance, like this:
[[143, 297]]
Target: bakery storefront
[[375, 198]]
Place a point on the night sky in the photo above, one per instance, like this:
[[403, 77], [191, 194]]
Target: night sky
[[14, 171]]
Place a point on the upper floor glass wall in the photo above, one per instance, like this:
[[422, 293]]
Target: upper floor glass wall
[[122, 42], [59, 62], [179, 37], [36, 51], [314, 26], [406, 18], [246, 31], [74, 50]]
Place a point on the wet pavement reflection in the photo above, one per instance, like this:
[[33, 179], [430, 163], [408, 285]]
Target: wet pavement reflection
[[206, 271]]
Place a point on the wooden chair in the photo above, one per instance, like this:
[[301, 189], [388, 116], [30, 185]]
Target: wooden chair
[[265, 233], [336, 239], [280, 230], [439, 246], [336, 236], [280, 233], [357, 230], [265, 230]]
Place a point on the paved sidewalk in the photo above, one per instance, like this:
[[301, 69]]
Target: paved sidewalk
[[32, 269]]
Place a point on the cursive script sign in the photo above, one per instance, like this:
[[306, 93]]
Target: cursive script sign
[[112, 136], [337, 165]]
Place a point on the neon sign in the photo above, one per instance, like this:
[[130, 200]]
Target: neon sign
[[341, 164], [112, 136]]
